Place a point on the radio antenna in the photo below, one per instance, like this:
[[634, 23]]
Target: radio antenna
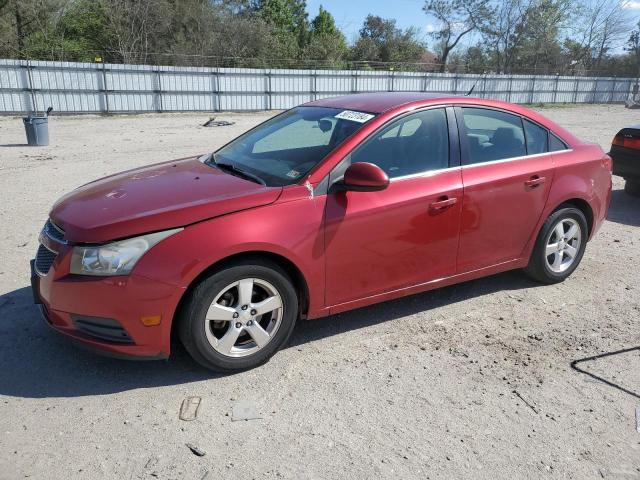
[[471, 90]]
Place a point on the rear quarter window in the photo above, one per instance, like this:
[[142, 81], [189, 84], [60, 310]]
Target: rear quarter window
[[555, 144]]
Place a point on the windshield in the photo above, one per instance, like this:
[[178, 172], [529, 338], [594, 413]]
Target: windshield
[[284, 149]]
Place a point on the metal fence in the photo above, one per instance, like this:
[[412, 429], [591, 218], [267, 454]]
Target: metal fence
[[27, 86]]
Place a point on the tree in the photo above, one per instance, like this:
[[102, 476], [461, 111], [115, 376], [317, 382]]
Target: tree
[[633, 47], [20, 19], [498, 34], [326, 41], [136, 27], [324, 24], [601, 27], [381, 41], [456, 19], [536, 46], [290, 23]]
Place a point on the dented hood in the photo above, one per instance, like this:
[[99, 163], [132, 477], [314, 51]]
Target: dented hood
[[153, 198]]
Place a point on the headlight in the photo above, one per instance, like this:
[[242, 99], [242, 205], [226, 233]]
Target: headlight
[[117, 258]]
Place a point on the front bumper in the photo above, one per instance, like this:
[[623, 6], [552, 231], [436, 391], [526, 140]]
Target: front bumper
[[125, 300]]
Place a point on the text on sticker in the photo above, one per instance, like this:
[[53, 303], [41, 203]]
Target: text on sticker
[[359, 117]]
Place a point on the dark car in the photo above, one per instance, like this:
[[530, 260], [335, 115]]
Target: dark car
[[625, 151]]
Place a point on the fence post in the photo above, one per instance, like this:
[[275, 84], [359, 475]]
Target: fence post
[[105, 89], [216, 90], [555, 88], [455, 83], [34, 104], [424, 82], [510, 88], [354, 81], [391, 80], [158, 90], [575, 90], [314, 85], [613, 90], [484, 86], [269, 92], [594, 89], [533, 89]]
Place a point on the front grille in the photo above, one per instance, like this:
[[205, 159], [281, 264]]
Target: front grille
[[54, 232], [102, 328], [44, 260]]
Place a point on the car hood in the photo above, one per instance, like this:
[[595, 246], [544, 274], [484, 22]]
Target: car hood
[[153, 198]]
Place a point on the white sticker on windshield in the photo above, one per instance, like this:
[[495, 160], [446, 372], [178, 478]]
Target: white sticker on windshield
[[359, 117]]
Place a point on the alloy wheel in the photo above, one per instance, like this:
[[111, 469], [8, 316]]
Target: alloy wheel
[[243, 317], [563, 245]]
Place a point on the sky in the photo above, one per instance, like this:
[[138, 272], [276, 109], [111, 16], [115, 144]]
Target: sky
[[349, 14]]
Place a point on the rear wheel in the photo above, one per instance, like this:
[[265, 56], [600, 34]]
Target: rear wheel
[[239, 317], [559, 247], [632, 187]]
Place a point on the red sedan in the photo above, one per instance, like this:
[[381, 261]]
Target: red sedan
[[329, 206]]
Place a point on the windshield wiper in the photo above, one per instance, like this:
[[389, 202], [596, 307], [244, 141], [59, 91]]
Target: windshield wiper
[[238, 172]]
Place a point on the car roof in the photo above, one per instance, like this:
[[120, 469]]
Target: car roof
[[377, 102], [380, 102]]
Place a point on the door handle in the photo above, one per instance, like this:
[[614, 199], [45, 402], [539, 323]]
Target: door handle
[[442, 204], [535, 181]]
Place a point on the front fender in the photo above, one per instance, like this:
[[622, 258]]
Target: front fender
[[291, 228]]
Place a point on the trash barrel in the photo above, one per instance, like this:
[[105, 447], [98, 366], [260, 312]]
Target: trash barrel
[[37, 129]]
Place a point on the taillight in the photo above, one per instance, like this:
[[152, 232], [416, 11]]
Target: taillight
[[627, 141]]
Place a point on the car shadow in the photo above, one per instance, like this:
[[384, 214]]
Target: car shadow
[[624, 209], [38, 363]]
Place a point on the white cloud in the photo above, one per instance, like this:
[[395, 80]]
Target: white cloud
[[430, 28], [631, 5], [456, 26]]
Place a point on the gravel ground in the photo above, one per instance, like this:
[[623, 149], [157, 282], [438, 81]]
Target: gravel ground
[[470, 381]]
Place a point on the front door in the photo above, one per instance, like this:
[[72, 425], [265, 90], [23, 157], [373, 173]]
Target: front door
[[404, 235]]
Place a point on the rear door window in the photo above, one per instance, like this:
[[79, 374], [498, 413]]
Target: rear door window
[[536, 137], [492, 135]]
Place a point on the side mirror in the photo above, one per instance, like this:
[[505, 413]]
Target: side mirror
[[365, 177]]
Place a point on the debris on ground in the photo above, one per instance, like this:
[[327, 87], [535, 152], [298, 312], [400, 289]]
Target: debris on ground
[[195, 450], [189, 408], [212, 122], [244, 411], [152, 462], [515, 392], [638, 419]]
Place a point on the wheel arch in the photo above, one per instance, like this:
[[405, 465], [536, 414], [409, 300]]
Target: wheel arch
[[584, 207], [294, 272]]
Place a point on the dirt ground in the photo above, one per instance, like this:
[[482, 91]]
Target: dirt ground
[[470, 381]]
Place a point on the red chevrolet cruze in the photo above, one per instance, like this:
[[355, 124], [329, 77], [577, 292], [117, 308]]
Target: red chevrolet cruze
[[327, 207]]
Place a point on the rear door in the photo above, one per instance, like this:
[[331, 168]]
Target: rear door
[[507, 173]]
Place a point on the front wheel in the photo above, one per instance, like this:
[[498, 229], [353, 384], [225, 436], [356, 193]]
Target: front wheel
[[559, 247], [237, 318]]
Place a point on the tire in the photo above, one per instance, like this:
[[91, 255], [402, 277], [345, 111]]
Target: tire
[[203, 338], [546, 268], [632, 187]]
